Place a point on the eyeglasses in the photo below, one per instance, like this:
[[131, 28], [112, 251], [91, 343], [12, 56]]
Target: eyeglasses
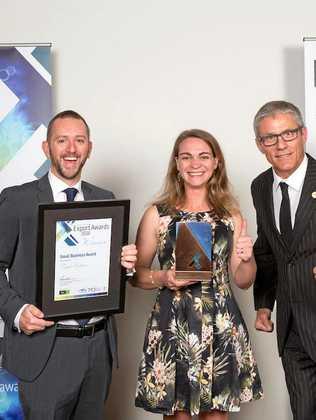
[[286, 135]]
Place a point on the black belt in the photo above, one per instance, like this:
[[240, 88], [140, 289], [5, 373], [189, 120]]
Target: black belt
[[87, 330]]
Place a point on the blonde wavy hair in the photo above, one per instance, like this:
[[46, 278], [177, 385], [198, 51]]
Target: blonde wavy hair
[[172, 195]]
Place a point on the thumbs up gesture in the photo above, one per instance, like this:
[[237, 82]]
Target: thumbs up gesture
[[244, 243]]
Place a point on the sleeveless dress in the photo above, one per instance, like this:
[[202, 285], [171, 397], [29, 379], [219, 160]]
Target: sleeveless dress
[[197, 355]]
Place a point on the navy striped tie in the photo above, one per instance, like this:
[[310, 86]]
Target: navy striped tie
[[70, 193]]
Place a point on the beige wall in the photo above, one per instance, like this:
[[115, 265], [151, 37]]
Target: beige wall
[[141, 71]]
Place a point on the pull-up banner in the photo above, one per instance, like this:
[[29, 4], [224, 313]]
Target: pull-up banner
[[310, 92], [25, 110]]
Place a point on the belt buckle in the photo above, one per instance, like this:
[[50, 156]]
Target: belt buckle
[[80, 332], [87, 330]]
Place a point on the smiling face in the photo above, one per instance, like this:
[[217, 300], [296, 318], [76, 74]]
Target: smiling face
[[68, 148], [195, 162], [285, 156]]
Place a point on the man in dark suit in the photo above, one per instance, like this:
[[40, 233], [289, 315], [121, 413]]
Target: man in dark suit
[[64, 369], [284, 197]]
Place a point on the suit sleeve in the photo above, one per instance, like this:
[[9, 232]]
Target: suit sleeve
[[266, 278], [10, 302]]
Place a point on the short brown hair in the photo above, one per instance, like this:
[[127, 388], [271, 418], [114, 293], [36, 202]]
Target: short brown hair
[[69, 113]]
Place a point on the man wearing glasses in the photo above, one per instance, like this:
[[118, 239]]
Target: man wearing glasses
[[284, 197]]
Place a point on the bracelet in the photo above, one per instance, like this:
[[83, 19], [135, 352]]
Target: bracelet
[[151, 278]]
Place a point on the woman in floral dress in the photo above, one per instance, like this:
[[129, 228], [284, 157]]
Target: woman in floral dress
[[197, 358]]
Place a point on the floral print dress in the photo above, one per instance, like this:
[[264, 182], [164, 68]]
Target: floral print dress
[[196, 355]]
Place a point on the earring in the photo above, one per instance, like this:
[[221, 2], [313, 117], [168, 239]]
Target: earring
[[179, 178]]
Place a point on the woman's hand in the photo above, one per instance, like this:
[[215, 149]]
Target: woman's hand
[[242, 262], [244, 245], [169, 280]]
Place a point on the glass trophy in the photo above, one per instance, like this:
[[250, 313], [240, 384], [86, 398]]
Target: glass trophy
[[193, 251]]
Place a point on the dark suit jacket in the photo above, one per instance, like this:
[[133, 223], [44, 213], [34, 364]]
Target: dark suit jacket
[[25, 356], [285, 272]]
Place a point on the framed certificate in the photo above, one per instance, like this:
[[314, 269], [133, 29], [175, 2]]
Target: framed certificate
[[79, 244]]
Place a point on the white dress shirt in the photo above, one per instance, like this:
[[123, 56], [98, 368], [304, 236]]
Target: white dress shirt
[[58, 186], [295, 182]]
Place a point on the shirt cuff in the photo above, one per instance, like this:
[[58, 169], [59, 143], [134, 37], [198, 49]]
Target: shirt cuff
[[130, 272], [17, 318]]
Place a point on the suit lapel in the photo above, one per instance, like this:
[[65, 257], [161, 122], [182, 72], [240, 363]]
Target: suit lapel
[[306, 204], [45, 193], [87, 191]]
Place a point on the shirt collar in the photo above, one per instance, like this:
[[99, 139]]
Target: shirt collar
[[58, 185], [295, 180]]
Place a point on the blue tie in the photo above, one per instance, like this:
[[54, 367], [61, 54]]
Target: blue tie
[[71, 194]]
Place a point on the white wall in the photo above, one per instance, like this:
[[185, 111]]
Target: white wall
[[141, 71]]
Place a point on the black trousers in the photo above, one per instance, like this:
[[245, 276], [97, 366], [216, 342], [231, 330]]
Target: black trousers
[[300, 376], [74, 384]]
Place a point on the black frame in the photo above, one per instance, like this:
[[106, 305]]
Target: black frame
[[48, 215]]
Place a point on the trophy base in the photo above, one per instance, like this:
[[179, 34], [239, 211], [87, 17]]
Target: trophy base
[[193, 275]]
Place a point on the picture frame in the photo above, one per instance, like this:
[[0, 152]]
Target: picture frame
[[76, 243]]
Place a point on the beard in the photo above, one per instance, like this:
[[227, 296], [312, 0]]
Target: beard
[[68, 174]]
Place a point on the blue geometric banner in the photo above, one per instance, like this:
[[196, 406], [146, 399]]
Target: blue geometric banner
[[9, 397], [25, 110]]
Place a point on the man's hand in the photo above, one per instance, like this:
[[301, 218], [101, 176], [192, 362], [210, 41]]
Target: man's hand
[[129, 256], [32, 320], [314, 272], [263, 320]]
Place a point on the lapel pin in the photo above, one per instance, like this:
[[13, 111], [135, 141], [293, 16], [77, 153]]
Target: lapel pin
[[314, 194]]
